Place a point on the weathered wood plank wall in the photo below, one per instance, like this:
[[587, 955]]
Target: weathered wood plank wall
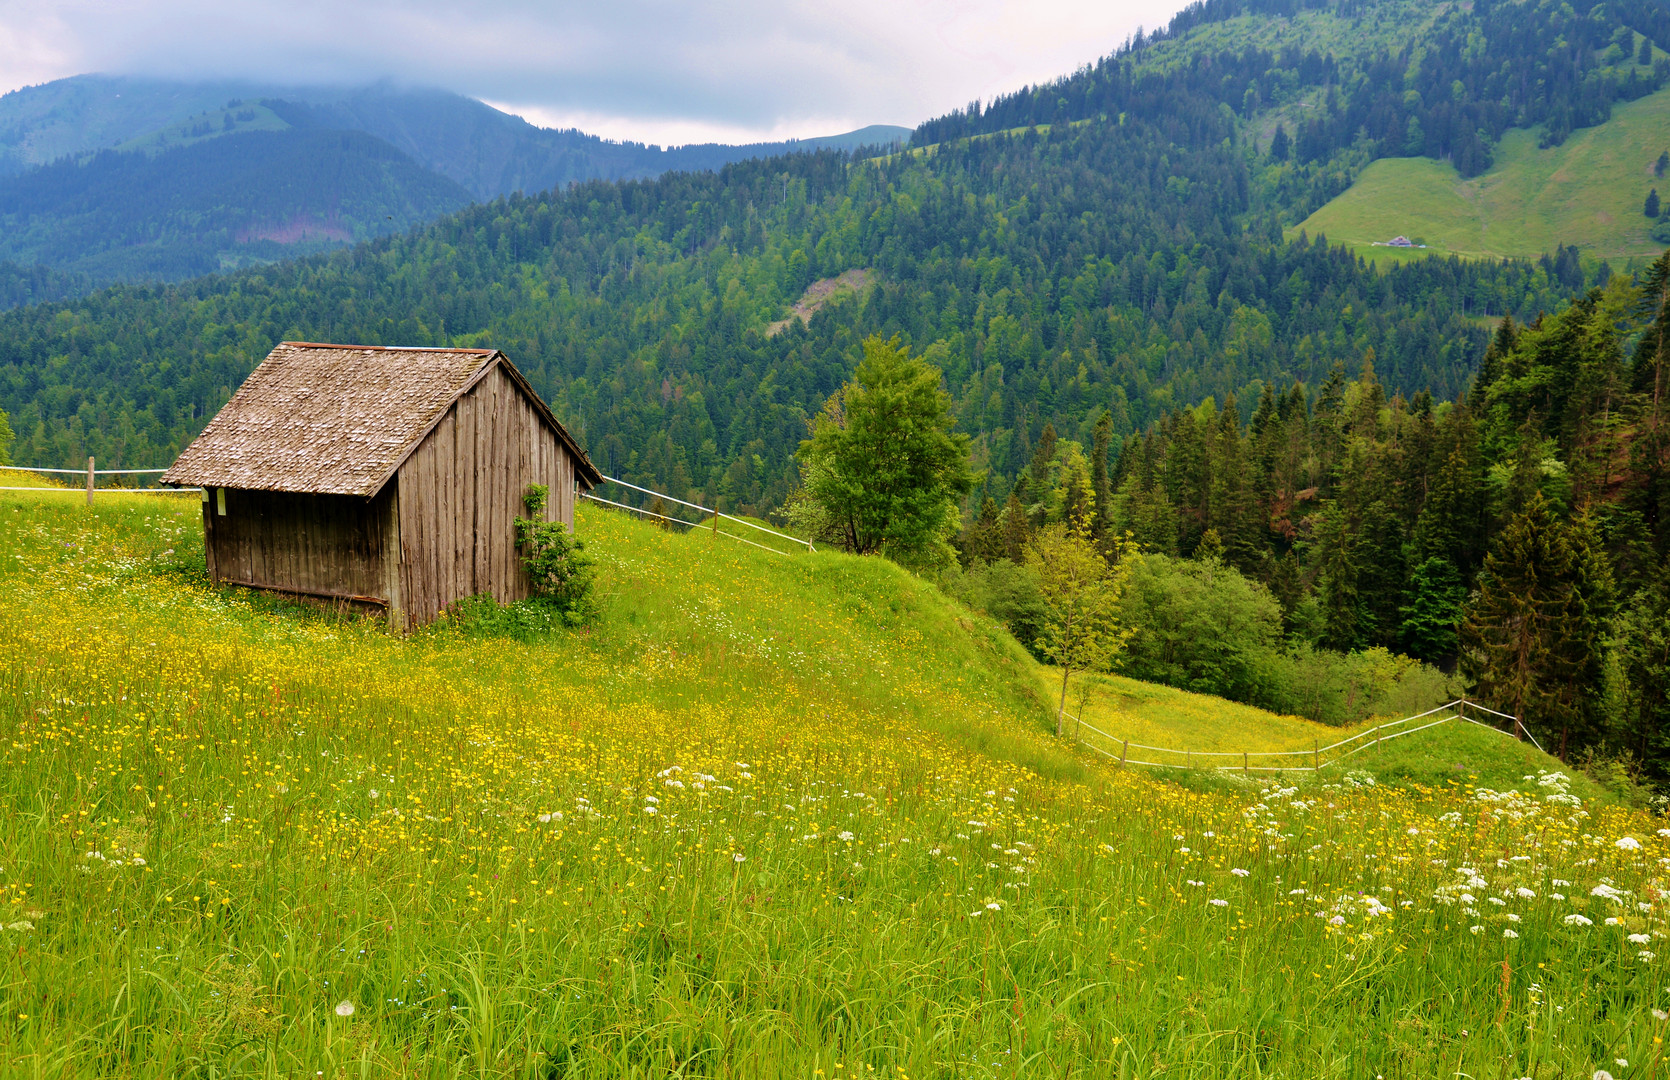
[[461, 492], [321, 545]]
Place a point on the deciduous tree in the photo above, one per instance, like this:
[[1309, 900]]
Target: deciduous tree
[[883, 468], [1080, 590]]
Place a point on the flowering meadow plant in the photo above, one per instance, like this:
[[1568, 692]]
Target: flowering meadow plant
[[765, 818]]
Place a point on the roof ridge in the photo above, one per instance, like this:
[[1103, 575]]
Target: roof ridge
[[385, 348]]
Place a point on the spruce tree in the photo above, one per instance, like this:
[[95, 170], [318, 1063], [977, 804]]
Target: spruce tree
[[1585, 627], [1647, 490], [1432, 611], [1644, 647], [1280, 143], [983, 541], [1517, 637], [1016, 529], [1100, 483], [1038, 475], [1650, 208], [1333, 556]]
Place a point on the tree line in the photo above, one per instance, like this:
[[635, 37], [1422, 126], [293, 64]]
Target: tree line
[[1050, 275], [1516, 537]]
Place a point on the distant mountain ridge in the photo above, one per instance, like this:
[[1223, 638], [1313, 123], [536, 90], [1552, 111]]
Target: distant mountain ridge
[[489, 152], [216, 204], [106, 179]]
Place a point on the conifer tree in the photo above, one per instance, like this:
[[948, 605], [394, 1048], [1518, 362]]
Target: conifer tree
[[1333, 556], [1648, 484], [1433, 610], [1531, 632], [1280, 143], [1327, 423], [1016, 529], [1644, 644], [1038, 475], [1586, 624], [983, 542], [1100, 482]]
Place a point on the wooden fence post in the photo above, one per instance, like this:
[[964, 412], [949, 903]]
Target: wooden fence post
[[1315, 755], [1124, 751], [716, 526], [1246, 770], [89, 481]]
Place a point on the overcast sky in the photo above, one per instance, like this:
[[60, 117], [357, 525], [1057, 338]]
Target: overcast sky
[[654, 70]]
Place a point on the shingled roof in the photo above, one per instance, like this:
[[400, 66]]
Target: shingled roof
[[340, 419]]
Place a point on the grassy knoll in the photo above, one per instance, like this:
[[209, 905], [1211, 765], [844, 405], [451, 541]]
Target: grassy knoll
[[1176, 720], [1587, 192], [771, 816]]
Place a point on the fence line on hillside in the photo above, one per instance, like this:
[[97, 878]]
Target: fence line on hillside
[[712, 517], [92, 476], [1368, 738]]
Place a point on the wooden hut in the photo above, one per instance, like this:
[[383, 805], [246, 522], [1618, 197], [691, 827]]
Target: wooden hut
[[379, 477]]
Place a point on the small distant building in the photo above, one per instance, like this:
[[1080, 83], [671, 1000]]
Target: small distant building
[[1400, 241], [378, 477]]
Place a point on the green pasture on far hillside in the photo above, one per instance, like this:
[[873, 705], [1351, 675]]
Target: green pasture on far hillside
[[1587, 192]]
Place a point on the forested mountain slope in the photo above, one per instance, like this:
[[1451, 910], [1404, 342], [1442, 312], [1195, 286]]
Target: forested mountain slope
[[487, 151], [1125, 253], [136, 180], [252, 198]]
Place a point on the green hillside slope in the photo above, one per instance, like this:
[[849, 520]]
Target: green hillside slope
[[769, 817], [1587, 192], [210, 204]]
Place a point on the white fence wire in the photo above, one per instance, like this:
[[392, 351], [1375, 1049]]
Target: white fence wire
[[1366, 739], [91, 474], [713, 517]]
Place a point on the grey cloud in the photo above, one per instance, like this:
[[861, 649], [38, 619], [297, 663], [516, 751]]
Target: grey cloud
[[746, 64]]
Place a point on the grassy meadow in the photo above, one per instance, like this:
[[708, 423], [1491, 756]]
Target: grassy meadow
[[771, 816], [1588, 192]]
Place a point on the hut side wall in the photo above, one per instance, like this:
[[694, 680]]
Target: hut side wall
[[460, 493], [317, 545]]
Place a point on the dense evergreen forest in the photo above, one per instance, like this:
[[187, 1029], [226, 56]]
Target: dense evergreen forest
[[1519, 532], [1447, 92], [1050, 274], [257, 197], [106, 179]]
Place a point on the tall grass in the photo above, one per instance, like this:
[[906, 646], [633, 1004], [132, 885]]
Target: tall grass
[[767, 818]]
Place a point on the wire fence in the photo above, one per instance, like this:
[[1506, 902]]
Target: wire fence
[[1118, 749], [91, 476], [665, 507]]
